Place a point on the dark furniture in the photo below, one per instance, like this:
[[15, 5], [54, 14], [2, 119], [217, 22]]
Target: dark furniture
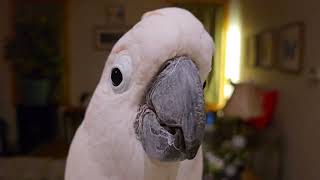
[[36, 125], [3, 138], [72, 118]]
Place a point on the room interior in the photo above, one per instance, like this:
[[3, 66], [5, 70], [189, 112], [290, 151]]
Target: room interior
[[261, 97]]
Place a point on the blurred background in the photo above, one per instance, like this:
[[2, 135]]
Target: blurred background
[[261, 97]]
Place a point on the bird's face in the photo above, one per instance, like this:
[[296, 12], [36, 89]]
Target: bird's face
[[171, 119], [170, 116], [150, 95]]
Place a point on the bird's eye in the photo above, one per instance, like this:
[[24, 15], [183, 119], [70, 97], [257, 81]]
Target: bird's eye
[[116, 76], [121, 73]]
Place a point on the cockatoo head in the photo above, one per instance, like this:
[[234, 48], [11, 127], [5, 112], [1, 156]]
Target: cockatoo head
[[152, 87]]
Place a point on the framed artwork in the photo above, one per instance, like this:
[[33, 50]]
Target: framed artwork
[[105, 37], [252, 51], [116, 14], [290, 47], [266, 49]]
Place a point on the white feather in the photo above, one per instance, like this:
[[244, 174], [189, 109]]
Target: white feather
[[105, 146]]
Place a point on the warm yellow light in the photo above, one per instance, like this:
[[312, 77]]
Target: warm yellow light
[[228, 89], [232, 64]]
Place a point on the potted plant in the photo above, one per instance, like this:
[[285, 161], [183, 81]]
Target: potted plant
[[34, 52]]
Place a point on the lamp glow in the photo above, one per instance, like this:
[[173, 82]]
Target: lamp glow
[[232, 64]]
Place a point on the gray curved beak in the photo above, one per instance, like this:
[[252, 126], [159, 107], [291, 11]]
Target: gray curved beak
[[172, 120]]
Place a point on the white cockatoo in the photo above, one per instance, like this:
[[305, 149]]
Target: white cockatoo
[[146, 117]]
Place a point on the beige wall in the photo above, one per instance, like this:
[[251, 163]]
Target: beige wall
[[298, 112], [86, 63], [6, 107]]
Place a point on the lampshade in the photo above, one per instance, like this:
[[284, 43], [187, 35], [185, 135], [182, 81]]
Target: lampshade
[[244, 103]]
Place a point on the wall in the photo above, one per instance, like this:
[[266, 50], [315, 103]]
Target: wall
[[297, 115], [86, 63], [7, 111]]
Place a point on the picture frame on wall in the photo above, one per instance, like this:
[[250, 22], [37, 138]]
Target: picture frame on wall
[[105, 37], [266, 49], [116, 14], [252, 51], [290, 47]]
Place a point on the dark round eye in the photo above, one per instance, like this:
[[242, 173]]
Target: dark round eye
[[116, 76], [204, 84]]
